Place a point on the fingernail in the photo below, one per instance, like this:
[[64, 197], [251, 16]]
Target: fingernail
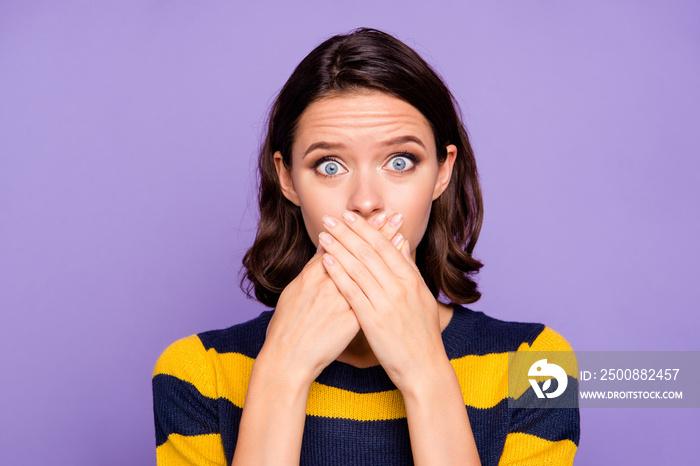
[[349, 216], [328, 259], [329, 221], [325, 237], [397, 239], [379, 219], [396, 219]]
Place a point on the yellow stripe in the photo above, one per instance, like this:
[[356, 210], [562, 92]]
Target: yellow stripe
[[548, 345], [334, 402], [234, 374], [483, 379], [202, 450], [187, 360], [528, 450], [548, 340]]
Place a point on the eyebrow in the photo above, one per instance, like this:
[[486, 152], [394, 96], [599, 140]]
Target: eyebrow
[[338, 145]]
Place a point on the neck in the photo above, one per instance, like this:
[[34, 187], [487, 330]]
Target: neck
[[358, 353]]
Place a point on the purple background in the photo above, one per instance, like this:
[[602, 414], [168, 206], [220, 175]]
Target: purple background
[[127, 136]]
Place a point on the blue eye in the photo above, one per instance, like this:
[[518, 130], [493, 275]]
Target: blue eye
[[330, 167], [401, 163], [398, 164]]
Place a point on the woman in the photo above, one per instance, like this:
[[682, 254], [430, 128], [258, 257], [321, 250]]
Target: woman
[[366, 162]]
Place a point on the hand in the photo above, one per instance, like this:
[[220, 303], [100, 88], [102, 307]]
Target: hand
[[382, 284], [313, 322]]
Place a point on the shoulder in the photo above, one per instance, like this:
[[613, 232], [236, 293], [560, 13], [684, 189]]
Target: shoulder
[[547, 340], [245, 338], [188, 358], [477, 333]]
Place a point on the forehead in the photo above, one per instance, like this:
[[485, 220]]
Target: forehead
[[361, 118]]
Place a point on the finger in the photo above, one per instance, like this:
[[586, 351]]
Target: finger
[[363, 272], [350, 290], [391, 227], [391, 230], [387, 225], [380, 246], [379, 220], [369, 252]]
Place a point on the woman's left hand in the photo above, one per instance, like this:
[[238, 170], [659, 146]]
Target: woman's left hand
[[393, 305]]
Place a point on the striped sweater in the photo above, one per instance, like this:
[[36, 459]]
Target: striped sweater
[[356, 416]]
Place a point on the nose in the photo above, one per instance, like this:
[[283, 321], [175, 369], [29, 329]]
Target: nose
[[366, 198]]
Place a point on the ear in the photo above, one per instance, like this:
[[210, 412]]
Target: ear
[[445, 171], [285, 178]]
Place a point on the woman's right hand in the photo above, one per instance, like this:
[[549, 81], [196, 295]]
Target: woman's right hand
[[312, 323]]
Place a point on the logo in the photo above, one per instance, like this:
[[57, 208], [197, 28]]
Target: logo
[[543, 368]]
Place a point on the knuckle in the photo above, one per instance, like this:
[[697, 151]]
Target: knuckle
[[325, 283], [415, 280], [329, 287], [365, 253], [324, 295], [342, 232], [389, 231], [353, 293], [382, 246], [304, 276], [309, 274], [358, 271]]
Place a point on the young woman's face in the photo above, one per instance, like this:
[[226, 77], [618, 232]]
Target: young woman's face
[[366, 152]]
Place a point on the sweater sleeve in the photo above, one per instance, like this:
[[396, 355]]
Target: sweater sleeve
[[185, 406], [539, 435]]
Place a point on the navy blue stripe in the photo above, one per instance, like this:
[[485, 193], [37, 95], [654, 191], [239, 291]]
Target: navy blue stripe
[[246, 338], [366, 380], [490, 427], [349, 442], [346, 442], [179, 408], [474, 333], [552, 419], [230, 420], [486, 335]]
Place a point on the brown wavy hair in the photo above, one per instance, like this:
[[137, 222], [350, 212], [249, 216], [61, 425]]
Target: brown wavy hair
[[373, 60]]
